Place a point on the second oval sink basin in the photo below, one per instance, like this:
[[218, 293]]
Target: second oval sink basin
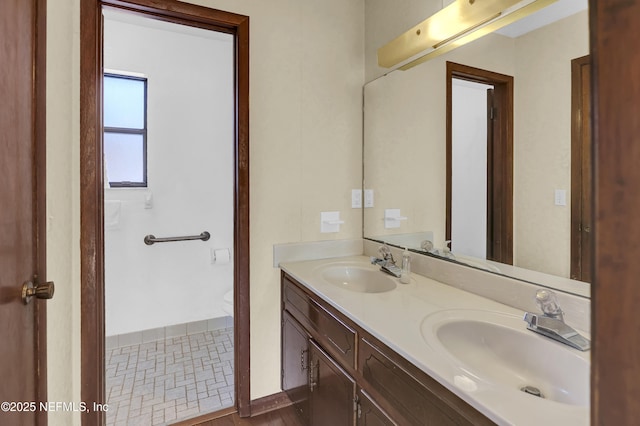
[[498, 348], [357, 277]]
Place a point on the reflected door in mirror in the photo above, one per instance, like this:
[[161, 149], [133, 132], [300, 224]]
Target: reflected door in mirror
[[581, 183], [479, 218]]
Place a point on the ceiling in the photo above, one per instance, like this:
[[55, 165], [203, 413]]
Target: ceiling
[[554, 12]]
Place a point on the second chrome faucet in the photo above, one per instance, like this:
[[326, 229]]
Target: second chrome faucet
[[551, 322]]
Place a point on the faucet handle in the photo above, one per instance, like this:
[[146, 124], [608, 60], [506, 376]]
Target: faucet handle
[[426, 245], [548, 304], [385, 252]]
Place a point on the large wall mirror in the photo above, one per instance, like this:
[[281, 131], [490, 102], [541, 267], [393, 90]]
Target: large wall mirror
[[427, 185]]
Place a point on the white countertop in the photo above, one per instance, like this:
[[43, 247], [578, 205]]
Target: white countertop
[[395, 317]]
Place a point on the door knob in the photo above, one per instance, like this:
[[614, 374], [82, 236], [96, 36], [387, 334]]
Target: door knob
[[40, 291]]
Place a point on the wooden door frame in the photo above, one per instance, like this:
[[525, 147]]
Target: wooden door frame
[[579, 236], [40, 173], [91, 187], [501, 215], [615, 291]]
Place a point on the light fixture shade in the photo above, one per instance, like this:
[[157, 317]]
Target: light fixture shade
[[459, 18], [495, 25]]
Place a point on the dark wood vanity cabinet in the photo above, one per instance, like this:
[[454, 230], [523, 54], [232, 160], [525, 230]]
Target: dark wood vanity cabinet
[[322, 392], [337, 374]]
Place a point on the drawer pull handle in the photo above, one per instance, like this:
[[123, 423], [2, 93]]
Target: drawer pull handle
[[313, 379]]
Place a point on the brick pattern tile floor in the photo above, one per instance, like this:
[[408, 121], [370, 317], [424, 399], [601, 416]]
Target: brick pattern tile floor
[[174, 379]]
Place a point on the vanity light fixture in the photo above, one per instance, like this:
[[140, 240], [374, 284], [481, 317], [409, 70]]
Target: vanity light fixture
[[453, 26]]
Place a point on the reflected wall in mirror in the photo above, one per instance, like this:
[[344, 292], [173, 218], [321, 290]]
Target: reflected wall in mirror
[[405, 142]]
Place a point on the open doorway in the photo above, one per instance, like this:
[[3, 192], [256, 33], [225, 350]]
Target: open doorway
[[168, 120], [479, 171], [166, 286]]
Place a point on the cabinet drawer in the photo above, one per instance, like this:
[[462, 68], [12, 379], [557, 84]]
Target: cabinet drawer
[[333, 335], [369, 413], [416, 397]]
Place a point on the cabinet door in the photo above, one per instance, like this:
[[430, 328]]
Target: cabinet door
[[332, 391], [295, 365], [369, 413], [415, 396]]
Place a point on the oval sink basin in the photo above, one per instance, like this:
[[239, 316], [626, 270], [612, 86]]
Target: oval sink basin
[[357, 277], [498, 349]]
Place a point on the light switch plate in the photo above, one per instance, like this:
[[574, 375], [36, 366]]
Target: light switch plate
[[368, 198], [148, 200], [356, 198], [560, 197]]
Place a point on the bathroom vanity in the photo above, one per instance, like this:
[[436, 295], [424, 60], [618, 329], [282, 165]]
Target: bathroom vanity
[[334, 371], [360, 348]]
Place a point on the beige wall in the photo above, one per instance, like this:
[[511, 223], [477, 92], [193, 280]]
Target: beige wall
[[306, 74], [63, 205], [542, 146]]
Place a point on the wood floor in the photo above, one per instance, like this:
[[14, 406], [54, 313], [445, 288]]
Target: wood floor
[[283, 417]]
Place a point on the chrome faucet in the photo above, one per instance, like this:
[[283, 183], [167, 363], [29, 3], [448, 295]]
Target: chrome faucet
[[551, 323], [427, 246], [386, 261]]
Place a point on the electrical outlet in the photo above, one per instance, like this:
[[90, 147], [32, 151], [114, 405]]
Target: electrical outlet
[[356, 198], [368, 198]]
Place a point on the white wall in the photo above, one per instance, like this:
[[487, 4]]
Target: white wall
[[190, 149], [306, 81], [469, 168]]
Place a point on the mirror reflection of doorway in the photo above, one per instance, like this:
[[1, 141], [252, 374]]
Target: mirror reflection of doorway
[[581, 171], [169, 172], [470, 140], [479, 209]]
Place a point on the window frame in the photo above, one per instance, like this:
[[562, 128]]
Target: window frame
[[131, 131]]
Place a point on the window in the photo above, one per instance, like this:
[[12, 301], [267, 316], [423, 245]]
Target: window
[[125, 130]]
